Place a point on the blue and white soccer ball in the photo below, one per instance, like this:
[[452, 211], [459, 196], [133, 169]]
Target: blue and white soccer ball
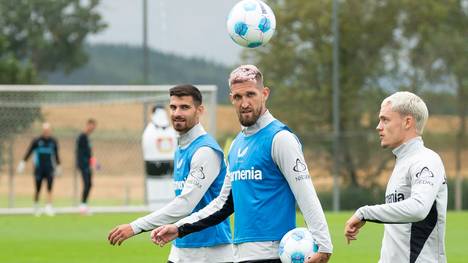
[[251, 23], [297, 245]]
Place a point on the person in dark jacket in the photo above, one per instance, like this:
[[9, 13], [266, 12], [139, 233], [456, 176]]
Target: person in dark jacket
[[46, 165], [84, 160]]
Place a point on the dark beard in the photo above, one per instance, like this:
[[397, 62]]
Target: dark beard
[[251, 121], [180, 129]]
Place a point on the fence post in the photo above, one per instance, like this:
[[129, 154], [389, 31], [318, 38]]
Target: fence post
[[11, 179]]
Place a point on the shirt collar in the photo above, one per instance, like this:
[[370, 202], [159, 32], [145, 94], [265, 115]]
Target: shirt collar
[[265, 119], [187, 138], [407, 147]]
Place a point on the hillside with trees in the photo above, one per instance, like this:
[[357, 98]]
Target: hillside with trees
[[121, 65]]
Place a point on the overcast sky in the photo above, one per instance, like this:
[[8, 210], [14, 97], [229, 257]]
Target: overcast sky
[[184, 27]]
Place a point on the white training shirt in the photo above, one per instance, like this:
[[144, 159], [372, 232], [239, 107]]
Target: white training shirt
[[415, 207], [209, 161], [285, 152]]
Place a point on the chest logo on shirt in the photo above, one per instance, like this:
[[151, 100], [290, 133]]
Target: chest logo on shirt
[[244, 175], [424, 177], [241, 153], [179, 163], [299, 166], [425, 173]]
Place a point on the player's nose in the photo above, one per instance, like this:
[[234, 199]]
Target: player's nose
[[379, 126], [176, 112], [245, 103]]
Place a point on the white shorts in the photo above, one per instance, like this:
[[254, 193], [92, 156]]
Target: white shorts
[[215, 254]]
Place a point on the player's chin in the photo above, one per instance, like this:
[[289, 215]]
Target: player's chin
[[247, 119], [247, 122], [180, 127], [383, 143]]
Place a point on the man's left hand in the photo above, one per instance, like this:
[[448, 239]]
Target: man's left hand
[[319, 258]]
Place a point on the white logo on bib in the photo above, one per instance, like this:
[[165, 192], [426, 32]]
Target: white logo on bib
[[179, 163], [243, 152]]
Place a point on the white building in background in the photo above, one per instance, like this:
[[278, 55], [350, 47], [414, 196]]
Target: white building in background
[[159, 142]]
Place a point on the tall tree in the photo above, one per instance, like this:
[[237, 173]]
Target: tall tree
[[438, 35], [11, 69], [298, 66], [49, 33]]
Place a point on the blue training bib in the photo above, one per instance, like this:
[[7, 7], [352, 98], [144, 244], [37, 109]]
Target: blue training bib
[[263, 201], [215, 235]]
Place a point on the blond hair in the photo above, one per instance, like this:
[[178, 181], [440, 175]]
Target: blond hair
[[407, 103]]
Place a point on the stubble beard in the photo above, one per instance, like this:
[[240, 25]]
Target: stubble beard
[[246, 122]]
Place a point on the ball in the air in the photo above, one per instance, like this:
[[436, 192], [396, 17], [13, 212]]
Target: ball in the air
[[251, 23]]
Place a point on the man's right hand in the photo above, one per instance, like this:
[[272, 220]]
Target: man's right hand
[[119, 234], [352, 227], [20, 168], [164, 234], [58, 171]]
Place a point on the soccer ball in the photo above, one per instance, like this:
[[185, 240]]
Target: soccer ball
[[251, 23], [297, 245]]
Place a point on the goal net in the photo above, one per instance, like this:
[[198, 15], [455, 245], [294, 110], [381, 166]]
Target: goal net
[[121, 112]]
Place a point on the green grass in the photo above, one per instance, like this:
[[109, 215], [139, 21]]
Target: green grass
[[27, 201], [74, 238]]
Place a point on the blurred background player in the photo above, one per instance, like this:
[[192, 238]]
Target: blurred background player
[[84, 162], [46, 165], [159, 142], [415, 206], [267, 175], [198, 176]]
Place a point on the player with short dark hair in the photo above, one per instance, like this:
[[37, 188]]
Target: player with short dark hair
[[199, 172], [84, 155], [187, 90]]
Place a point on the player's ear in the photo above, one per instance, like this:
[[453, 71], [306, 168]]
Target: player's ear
[[201, 109], [231, 98], [408, 122], [266, 93]]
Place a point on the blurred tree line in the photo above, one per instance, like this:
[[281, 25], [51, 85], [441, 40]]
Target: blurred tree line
[[46, 35], [164, 68], [385, 46]]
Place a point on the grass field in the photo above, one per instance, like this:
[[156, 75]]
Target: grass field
[[74, 238]]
